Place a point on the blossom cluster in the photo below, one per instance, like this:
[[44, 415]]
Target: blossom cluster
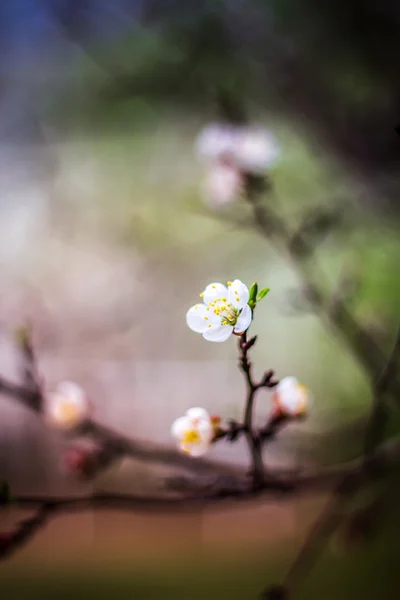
[[228, 310], [225, 310], [230, 152]]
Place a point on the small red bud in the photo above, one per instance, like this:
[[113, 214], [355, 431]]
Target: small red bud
[[79, 462]]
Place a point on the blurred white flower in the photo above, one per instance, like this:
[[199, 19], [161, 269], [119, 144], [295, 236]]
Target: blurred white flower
[[223, 184], [68, 405], [291, 397], [217, 141], [256, 150], [194, 431], [248, 148], [224, 311]]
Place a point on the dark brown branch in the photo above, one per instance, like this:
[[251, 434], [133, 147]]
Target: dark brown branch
[[13, 541], [29, 398], [253, 440], [285, 486], [123, 446]]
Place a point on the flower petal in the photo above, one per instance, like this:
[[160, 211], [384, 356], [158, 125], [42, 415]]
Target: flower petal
[[238, 294], [205, 430], [197, 413], [194, 449], [198, 318], [71, 390], [287, 384], [256, 150], [214, 291], [216, 140], [218, 333], [291, 396], [179, 426], [222, 185], [244, 320]]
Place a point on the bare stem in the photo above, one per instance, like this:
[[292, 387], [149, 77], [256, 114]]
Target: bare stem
[[252, 438]]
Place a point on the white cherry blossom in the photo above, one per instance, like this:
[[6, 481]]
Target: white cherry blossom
[[224, 311], [256, 150], [291, 397], [194, 431], [68, 406], [248, 148]]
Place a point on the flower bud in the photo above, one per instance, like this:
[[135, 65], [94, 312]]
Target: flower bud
[[80, 462], [291, 398], [67, 407]]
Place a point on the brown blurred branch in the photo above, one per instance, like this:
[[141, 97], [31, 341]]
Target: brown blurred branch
[[379, 412], [26, 529], [115, 445], [372, 465], [335, 314], [284, 487], [118, 444]]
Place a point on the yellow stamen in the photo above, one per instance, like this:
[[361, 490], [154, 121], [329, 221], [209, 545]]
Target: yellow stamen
[[191, 437], [68, 413]]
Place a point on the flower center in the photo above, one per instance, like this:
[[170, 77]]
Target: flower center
[[191, 437], [68, 412], [222, 308]]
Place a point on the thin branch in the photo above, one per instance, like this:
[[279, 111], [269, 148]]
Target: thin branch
[[31, 376], [119, 445], [25, 396], [252, 440]]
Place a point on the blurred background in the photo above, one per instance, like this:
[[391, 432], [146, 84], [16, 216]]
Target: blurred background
[[106, 241]]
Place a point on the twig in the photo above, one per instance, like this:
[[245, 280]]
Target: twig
[[119, 444], [31, 376], [252, 439], [255, 439]]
